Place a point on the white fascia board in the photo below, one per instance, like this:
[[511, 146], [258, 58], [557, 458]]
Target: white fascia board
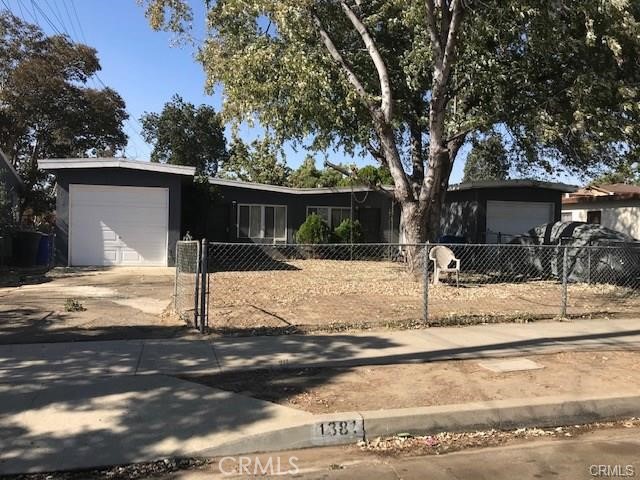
[[76, 163]]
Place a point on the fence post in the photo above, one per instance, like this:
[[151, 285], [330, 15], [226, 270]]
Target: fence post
[[565, 266], [425, 279], [203, 288], [196, 291], [589, 264], [175, 283]]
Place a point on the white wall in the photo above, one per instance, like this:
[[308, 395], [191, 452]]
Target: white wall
[[621, 216]]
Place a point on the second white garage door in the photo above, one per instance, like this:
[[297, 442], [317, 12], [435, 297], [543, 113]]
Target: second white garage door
[[113, 225], [515, 218]]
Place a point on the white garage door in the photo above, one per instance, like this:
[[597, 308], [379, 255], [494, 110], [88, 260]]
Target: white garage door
[[515, 218], [113, 225]]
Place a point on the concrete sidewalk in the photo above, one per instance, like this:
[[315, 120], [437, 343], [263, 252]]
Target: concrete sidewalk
[[86, 404], [125, 419], [29, 363]]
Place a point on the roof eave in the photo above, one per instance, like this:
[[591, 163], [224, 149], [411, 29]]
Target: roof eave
[[562, 187], [53, 164]]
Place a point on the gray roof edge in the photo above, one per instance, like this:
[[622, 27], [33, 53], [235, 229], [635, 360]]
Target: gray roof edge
[[5, 159], [562, 187], [282, 189], [113, 162]]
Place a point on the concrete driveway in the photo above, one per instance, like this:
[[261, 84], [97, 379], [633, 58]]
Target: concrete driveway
[[119, 303]]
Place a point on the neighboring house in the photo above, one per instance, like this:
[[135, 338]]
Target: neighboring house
[[10, 184], [615, 206], [123, 212]]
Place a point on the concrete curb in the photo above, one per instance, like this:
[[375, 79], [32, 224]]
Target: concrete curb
[[351, 427]]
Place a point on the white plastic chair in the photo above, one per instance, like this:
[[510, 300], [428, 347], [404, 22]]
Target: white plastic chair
[[442, 257]]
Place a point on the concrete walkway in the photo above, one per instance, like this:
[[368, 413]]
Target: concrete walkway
[[84, 404], [81, 360]]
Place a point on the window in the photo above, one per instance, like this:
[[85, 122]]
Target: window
[[594, 216], [262, 221], [567, 217], [332, 215]]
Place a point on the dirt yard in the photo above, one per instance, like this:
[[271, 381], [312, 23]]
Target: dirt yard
[[328, 390], [329, 295], [84, 304]]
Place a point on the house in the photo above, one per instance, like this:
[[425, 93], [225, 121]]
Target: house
[[121, 212], [112, 211], [10, 185], [496, 211], [615, 206]]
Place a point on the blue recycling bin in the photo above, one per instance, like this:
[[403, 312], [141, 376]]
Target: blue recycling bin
[[43, 256]]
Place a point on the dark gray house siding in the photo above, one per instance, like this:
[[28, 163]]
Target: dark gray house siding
[[465, 210], [117, 177], [464, 213], [375, 211]]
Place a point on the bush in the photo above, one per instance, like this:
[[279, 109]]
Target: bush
[[348, 232], [313, 231]]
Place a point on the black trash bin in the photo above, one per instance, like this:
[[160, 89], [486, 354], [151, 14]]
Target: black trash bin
[[25, 248]]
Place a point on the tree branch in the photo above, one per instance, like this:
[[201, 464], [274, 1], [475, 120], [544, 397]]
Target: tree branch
[[452, 38], [353, 175], [378, 61], [381, 124], [433, 31], [337, 56]]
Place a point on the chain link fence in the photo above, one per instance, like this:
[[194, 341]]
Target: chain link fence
[[288, 288], [292, 288], [185, 298], [271, 289]]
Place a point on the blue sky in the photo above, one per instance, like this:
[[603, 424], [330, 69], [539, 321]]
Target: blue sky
[[142, 65]]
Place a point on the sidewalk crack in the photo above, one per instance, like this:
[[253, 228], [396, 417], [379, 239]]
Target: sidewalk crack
[[215, 355], [139, 358]]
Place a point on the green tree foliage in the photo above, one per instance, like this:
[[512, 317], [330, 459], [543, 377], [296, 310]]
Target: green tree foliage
[[348, 232], [46, 109], [183, 134], [487, 160], [308, 176], [624, 172], [261, 161], [314, 230], [371, 175], [410, 81]]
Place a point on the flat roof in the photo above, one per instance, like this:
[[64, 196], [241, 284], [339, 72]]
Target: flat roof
[[561, 187], [112, 162], [282, 189]]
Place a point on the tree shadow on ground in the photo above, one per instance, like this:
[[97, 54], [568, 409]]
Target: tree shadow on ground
[[49, 426], [21, 325]]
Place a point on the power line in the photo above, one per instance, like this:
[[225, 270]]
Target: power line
[[77, 17], [73, 28]]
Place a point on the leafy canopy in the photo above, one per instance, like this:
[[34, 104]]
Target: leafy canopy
[[183, 134], [261, 162], [625, 172], [559, 78], [487, 160], [46, 109]]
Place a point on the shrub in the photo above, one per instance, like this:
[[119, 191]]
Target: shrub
[[348, 232], [73, 305], [313, 231]]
